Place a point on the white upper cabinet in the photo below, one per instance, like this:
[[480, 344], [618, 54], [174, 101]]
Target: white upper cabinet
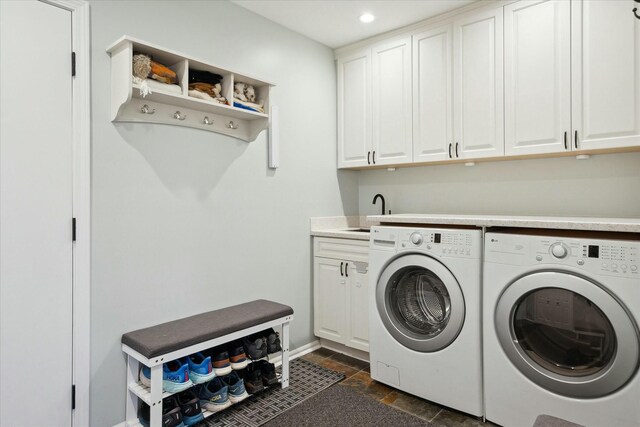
[[432, 99], [354, 109], [391, 102], [537, 75], [478, 109], [606, 74]]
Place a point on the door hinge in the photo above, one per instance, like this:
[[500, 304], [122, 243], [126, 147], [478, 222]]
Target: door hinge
[[73, 229], [73, 396], [73, 64]]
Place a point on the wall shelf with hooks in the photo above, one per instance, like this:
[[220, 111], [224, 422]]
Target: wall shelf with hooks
[[176, 106]]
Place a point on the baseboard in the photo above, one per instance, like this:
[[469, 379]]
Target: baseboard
[[293, 354], [341, 348]]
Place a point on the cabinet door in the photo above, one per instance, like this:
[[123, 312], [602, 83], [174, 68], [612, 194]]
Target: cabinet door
[[354, 109], [478, 111], [432, 101], [358, 306], [537, 76], [606, 74], [391, 95], [329, 299]]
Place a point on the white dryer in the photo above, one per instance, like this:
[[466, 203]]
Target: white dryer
[[560, 324], [424, 313]]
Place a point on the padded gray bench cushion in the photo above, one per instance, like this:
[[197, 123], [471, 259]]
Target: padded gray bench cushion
[[549, 421], [172, 336]]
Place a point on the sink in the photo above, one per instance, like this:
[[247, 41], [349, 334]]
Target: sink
[[358, 230]]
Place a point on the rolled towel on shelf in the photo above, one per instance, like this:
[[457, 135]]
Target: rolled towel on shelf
[[194, 93]]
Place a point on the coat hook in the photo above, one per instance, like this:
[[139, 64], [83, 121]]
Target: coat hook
[[178, 115], [231, 125], [635, 13], [145, 110], [207, 121]]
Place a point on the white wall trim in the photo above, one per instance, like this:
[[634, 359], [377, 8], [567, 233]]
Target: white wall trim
[[80, 21]]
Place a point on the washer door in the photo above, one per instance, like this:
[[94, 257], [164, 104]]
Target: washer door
[[567, 334], [420, 303]]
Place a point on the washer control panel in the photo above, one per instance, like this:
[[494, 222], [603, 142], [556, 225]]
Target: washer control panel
[[454, 243], [609, 257]]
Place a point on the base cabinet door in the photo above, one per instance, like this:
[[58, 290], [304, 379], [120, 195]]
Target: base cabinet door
[[478, 85], [330, 299], [391, 102], [606, 74], [358, 307], [354, 109], [537, 74]]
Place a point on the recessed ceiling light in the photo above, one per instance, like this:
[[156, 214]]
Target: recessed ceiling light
[[366, 18]]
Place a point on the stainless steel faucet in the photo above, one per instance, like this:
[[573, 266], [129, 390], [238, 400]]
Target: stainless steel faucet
[[381, 197]]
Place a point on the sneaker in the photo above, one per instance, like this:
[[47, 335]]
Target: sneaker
[[255, 346], [267, 372], [189, 407], [273, 341], [237, 392], [175, 376], [252, 379], [214, 395], [200, 368], [171, 414], [221, 363], [237, 356]]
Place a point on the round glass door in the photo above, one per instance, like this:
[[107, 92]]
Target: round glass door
[[563, 332], [420, 303]]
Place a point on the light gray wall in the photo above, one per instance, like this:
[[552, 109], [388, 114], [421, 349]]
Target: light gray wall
[[186, 221], [604, 185]]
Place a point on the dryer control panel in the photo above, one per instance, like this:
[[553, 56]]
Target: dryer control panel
[[600, 256]]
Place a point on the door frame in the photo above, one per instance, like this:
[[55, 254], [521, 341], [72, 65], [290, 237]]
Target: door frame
[[81, 84]]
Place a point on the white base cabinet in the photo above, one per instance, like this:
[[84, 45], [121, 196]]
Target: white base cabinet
[[340, 291]]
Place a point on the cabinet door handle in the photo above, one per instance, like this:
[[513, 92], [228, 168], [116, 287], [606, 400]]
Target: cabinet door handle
[[346, 269], [341, 264], [450, 150], [575, 139], [374, 157], [565, 140], [457, 155], [368, 157]]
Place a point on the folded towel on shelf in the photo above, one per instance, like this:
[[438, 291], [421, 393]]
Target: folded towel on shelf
[[148, 86], [208, 88], [202, 95], [197, 76], [144, 66], [248, 105]]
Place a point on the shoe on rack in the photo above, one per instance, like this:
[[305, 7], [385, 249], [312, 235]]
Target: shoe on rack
[[171, 414], [267, 372], [237, 392], [175, 376], [200, 368], [252, 378], [273, 341], [221, 364], [237, 357], [214, 395], [189, 407], [255, 346]]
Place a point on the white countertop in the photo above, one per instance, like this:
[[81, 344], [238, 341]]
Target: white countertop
[[628, 225], [342, 227]]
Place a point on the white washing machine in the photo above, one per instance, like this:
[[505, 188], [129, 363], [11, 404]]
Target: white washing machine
[[560, 328], [424, 313]]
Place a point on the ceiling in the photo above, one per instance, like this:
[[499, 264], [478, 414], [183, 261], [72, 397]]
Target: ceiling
[[335, 23]]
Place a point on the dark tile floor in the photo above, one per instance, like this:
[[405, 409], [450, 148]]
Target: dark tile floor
[[357, 376]]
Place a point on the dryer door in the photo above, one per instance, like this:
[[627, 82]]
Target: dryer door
[[567, 334], [420, 303]]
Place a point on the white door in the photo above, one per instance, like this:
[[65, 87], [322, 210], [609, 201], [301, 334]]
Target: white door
[[358, 304], [391, 102], [330, 299], [606, 74], [478, 111], [432, 100], [354, 110], [537, 77], [35, 214]]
